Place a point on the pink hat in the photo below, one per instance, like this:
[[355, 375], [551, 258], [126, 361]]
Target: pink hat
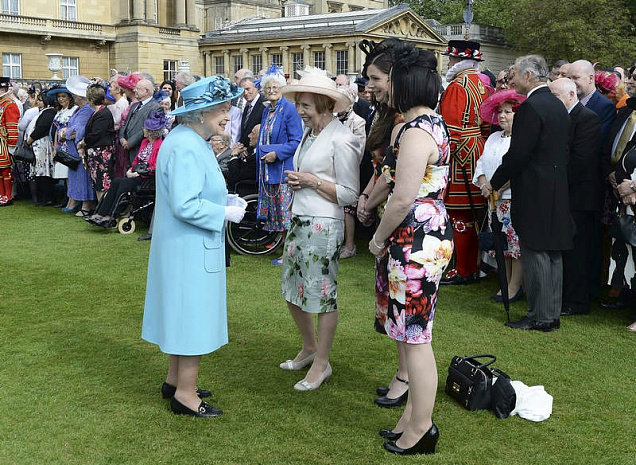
[[129, 81], [489, 107]]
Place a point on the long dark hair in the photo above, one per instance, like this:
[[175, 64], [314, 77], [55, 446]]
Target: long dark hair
[[382, 56]]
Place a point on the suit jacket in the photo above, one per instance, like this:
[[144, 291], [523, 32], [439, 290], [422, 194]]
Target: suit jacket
[[362, 108], [605, 110], [332, 157], [536, 166], [254, 119], [133, 128], [584, 159], [621, 117]]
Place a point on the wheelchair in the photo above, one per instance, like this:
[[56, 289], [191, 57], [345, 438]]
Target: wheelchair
[[137, 204], [248, 237]]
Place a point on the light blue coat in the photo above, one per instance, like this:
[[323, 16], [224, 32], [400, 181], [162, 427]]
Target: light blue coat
[[185, 311]]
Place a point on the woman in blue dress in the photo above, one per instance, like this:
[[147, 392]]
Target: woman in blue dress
[[185, 312]]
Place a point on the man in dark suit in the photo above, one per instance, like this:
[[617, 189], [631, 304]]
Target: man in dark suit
[[132, 132], [253, 110], [536, 167], [584, 191]]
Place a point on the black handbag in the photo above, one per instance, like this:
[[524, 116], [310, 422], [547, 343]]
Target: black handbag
[[624, 227], [24, 153], [504, 398], [65, 158], [470, 382]]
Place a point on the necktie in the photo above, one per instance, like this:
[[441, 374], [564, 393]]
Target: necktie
[[626, 135], [246, 113]]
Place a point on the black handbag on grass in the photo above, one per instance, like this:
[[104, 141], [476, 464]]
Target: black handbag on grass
[[470, 382], [65, 158], [24, 153], [504, 398]]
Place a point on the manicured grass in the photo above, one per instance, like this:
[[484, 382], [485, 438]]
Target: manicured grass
[[79, 386]]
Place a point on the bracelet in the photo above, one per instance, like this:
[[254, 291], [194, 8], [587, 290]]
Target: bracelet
[[376, 244], [366, 196]]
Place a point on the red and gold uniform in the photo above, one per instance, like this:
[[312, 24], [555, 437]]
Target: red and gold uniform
[[460, 109], [9, 116]]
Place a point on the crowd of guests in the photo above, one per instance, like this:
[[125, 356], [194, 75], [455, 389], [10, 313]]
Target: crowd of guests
[[549, 154]]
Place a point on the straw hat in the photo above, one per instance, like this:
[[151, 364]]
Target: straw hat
[[489, 107], [207, 92], [77, 85], [315, 81]]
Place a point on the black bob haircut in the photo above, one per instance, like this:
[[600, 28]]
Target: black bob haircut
[[414, 79]]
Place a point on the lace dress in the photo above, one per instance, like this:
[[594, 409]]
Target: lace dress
[[419, 249]]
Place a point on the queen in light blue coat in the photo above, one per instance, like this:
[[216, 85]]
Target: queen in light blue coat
[[185, 311]]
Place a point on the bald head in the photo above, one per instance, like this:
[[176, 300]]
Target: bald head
[[582, 73], [565, 90], [144, 89], [342, 80]]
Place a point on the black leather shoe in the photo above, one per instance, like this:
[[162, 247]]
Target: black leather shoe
[[532, 325], [387, 402], [515, 324], [616, 305], [168, 390], [455, 279], [426, 444], [569, 311], [204, 410], [390, 435], [147, 237], [382, 390], [556, 324]]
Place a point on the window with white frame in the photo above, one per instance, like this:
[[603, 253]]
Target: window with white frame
[[12, 65], [257, 63], [68, 10], [238, 62], [319, 60], [297, 64], [342, 61], [70, 67], [169, 69], [10, 7], [277, 59], [219, 65]]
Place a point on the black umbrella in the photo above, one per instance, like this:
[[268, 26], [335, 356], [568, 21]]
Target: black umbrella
[[500, 239]]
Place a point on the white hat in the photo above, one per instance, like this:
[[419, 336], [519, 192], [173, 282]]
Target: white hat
[[315, 81], [77, 85]]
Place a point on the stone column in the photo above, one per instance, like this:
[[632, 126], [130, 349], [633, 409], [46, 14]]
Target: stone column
[[246, 59], [286, 65], [191, 14], [180, 6], [306, 49], [351, 58], [264, 57], [138, 10], [150, 12], [226, 63], [328, 60]]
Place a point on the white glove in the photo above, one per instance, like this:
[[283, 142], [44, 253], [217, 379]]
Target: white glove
[[234, 214], [233, 200]]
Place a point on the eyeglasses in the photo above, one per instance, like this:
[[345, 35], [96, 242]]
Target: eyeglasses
[[271, 89]]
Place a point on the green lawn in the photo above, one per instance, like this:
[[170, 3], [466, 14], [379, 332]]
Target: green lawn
[[79, 386]]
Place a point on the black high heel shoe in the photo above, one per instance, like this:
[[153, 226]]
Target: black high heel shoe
[[168, 390], [204, 410], [426, 444], [382, 390], [387, 402], [390, 435]]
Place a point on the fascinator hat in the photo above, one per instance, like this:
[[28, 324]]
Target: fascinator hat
[[130, 81], [155, 121], [489, 108], [315, 81], [206, 93]]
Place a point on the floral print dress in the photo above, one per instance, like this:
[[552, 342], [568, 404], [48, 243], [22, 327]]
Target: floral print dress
[[418, 250]]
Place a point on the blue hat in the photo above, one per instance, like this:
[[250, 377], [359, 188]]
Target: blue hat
[[207, 92], [155, 121], [58, 89], [108, 95]]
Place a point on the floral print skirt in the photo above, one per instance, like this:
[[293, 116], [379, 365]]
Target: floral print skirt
[[407, 280], [101, 166], [310, 263], [503, 215]]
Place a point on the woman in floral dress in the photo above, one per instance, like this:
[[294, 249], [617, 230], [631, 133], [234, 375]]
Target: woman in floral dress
[[415, 233]]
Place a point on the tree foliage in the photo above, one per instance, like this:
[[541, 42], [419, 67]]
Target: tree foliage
[[595, 30]]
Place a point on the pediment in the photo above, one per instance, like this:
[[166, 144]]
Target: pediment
[[407, 26]]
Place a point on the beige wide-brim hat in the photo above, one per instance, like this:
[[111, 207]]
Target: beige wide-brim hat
[[315, 81]]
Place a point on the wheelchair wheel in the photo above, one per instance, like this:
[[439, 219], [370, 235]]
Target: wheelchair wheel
[[248, 237], [126, 226]]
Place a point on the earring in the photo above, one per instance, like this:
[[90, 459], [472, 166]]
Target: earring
[[201, 121]]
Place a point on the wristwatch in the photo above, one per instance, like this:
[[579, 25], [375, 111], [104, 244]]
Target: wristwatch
[[319, 183], [632, 186]]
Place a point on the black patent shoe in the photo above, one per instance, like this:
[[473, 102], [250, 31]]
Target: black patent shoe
[[168, 390], [426, 444], [382, 390], [204, 410], [387, 402], [390, 435]]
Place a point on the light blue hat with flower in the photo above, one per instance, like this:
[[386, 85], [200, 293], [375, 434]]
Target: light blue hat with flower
[[207, 92]]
